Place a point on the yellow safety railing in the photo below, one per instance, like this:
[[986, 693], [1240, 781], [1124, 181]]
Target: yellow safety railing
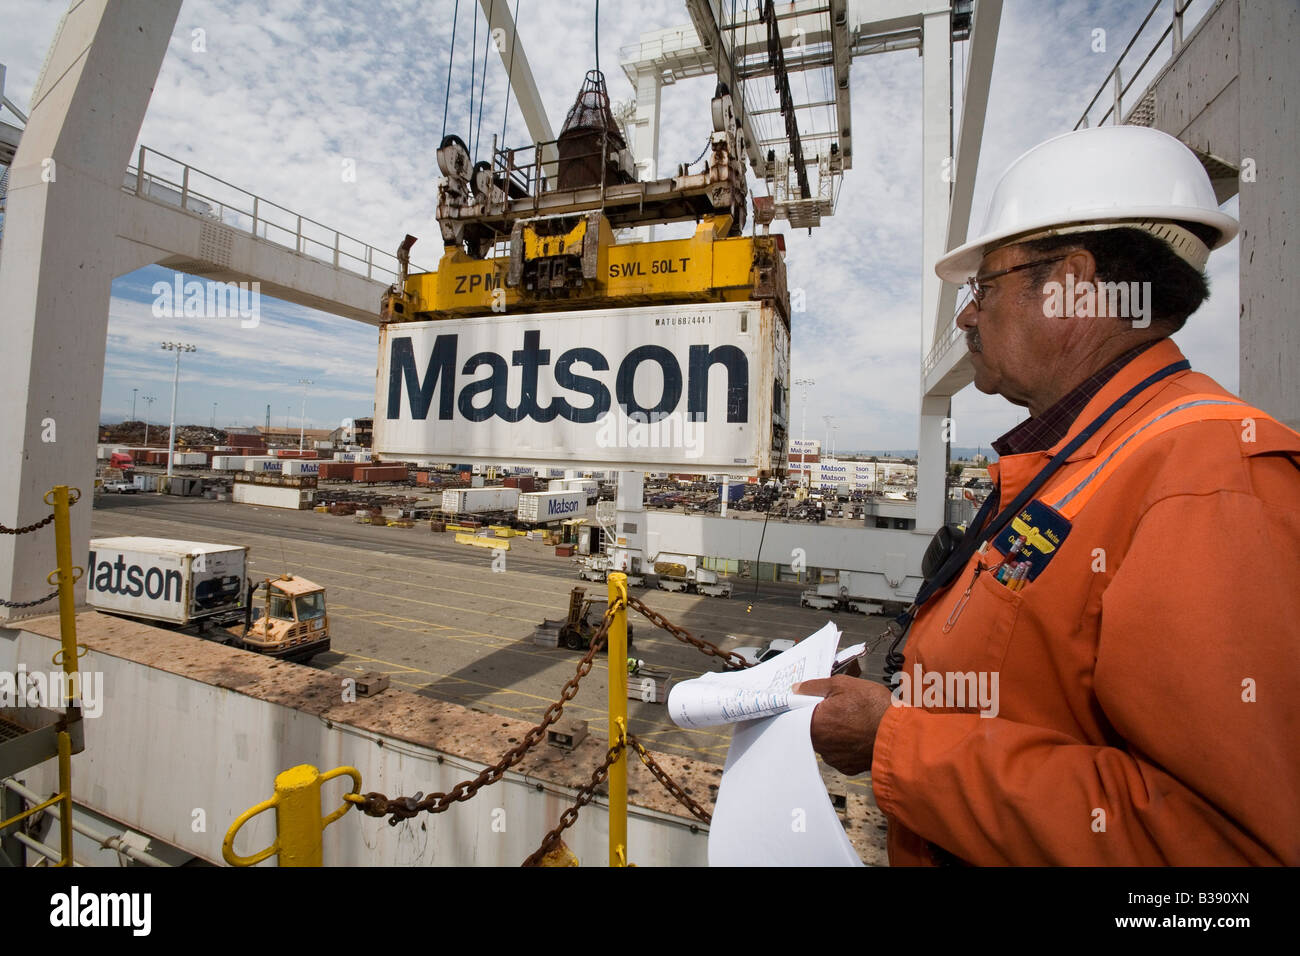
[[300, 825], [617, 652], [298, 821], [66, 575]]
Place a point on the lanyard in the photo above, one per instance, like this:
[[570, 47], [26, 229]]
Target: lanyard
[[974, 538]]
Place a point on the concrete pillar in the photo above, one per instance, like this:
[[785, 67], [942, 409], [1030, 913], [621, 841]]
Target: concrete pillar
[[936, 160], [58, 265], [630, 520], [936, 179], [649, 91], [1269, 95], [931, 462]]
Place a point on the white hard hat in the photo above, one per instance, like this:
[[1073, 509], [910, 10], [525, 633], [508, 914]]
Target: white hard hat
[[1100, 178]]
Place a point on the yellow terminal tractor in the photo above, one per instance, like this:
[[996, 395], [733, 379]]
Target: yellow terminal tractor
[[289, 622]]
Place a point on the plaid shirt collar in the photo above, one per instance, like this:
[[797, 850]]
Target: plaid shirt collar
[[1043, 431]]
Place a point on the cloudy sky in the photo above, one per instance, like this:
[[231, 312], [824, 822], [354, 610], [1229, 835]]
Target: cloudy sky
[[276, 96]]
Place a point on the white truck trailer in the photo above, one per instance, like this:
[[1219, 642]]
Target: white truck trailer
[[177, 582], [544, 507], [480, 500], [847, 594], [200, 587], [681, 572]]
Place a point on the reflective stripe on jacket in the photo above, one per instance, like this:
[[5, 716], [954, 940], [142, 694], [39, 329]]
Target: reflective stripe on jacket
[[1148, 680]]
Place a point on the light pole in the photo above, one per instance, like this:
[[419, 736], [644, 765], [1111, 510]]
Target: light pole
[[306, 383], [148, 400], [804, 383], [178, 348], [133, 391]]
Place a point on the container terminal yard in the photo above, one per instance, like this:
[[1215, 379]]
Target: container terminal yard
[[446, 631]]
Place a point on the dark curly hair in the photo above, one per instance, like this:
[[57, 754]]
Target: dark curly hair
[[1131, 255]]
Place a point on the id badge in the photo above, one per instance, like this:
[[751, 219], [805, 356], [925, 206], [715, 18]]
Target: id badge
[[1040, 529]]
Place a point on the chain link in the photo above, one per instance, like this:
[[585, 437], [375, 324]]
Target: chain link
[[403, 808], [570, 815], [28, 529], [668, 782], [49, 597], [733, 660]]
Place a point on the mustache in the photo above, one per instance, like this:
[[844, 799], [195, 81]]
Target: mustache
[[973, 342]]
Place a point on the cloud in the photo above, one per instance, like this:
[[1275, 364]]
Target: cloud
[[277, 96]]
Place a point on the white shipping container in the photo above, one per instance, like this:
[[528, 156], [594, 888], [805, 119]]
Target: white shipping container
[[479, 500], [702, 388], [145, 482], [542, 507], [299, 466], [191, 458], [229, 462], [274, 496], [164, 580], [357, 457], [264, 465]]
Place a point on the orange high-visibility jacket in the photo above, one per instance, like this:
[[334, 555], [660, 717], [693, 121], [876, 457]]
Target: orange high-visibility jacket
[[1148, 704]]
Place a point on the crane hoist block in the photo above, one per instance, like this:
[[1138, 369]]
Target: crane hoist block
[[568, 262]]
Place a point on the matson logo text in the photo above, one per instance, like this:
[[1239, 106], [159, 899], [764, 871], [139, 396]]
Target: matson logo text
[[118, 577], [486, 397]]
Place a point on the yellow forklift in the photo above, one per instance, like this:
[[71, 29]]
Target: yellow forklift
[[577, 629]]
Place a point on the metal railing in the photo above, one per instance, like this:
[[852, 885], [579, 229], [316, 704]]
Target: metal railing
[[1115, 78], [940, 348], [165, 179]]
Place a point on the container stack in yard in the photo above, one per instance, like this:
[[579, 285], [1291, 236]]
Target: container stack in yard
[[229, 462], [337, 470], [296, 493], [381, 473], [525, 483]]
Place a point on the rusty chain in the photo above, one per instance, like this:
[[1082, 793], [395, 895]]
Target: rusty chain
[[49, 597], [668, 782], [403, 808], [730, 658], [29, 528], [570, 815]]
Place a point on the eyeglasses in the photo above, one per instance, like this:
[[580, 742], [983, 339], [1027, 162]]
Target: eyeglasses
[[977, 284]]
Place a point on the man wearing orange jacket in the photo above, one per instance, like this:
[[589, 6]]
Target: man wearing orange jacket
[[1130, 595]]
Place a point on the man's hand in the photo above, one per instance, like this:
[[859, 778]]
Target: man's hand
[[844, 724]]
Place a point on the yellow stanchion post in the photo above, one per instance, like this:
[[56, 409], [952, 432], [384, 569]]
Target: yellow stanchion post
[[617, 658], [60, 498], [65, 798], [298, 821]]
